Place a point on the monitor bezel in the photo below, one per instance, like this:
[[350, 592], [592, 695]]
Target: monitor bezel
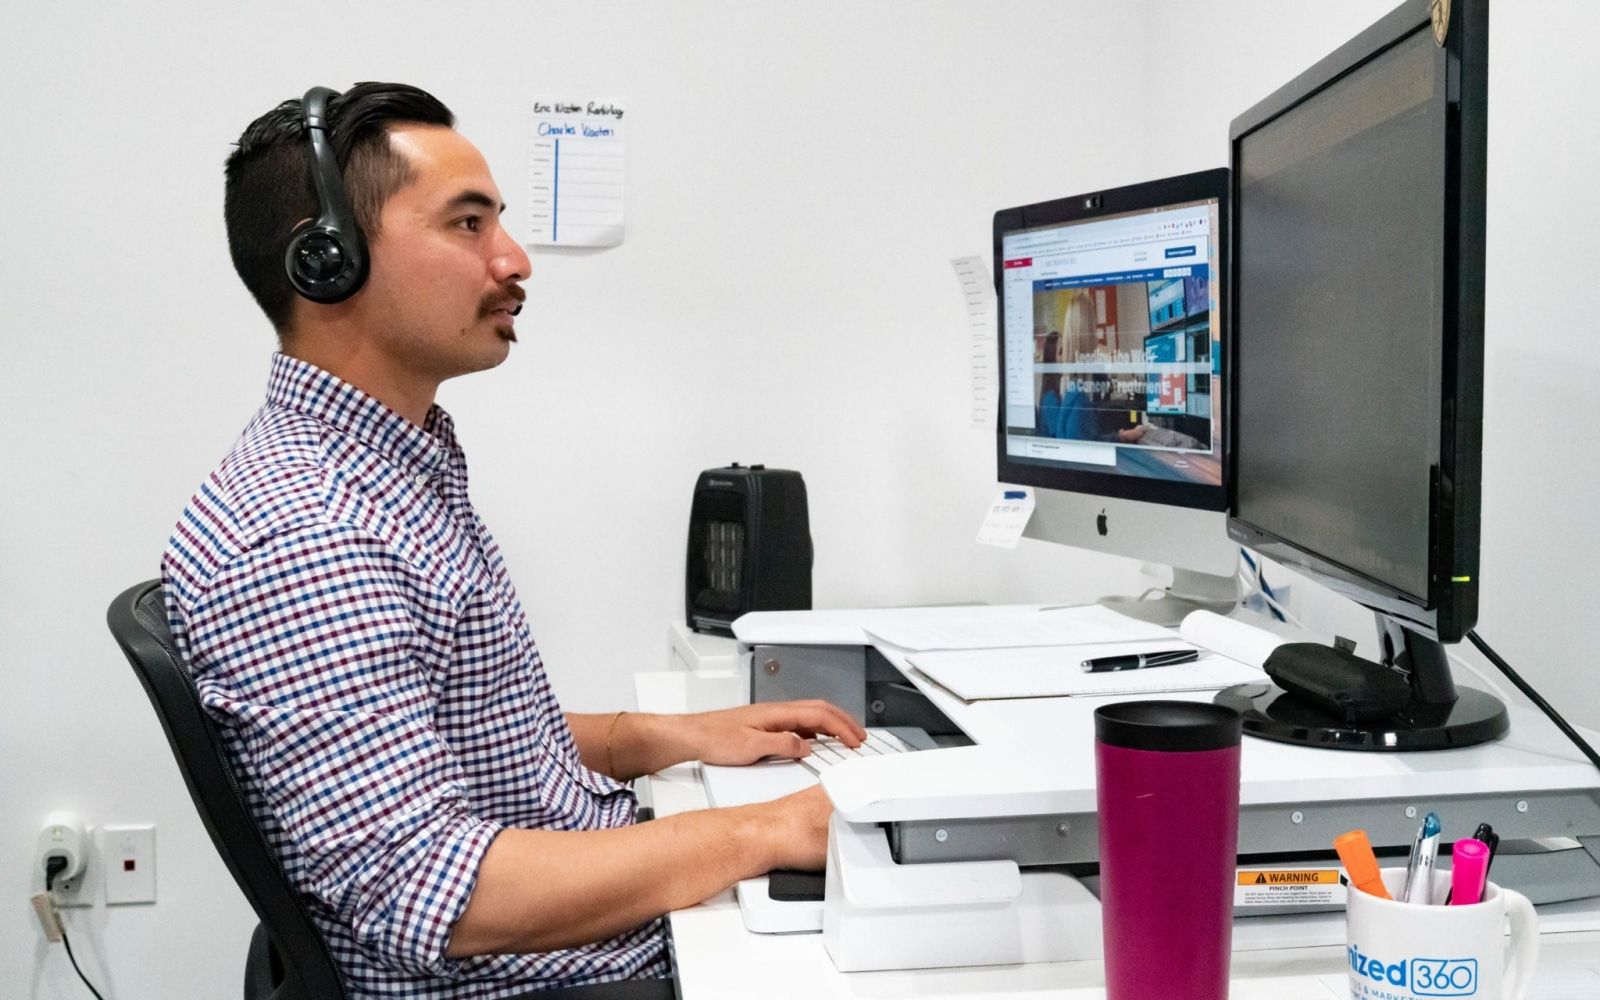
[[1450, 607], [1200, 186]]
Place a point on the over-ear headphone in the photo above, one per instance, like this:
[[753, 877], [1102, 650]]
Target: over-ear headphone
[[326, 259]]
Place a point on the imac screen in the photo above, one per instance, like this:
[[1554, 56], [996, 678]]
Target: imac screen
[[1112, 351]]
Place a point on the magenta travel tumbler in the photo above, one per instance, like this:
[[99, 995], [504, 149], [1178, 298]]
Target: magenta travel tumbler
[[1167, 783]]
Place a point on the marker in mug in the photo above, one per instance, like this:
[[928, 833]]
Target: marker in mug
[[1469, 868], [1485, 835], [1355, 851], [1419, 870]]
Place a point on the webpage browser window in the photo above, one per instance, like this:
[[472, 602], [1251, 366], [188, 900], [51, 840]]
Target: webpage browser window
[[1112, 338]]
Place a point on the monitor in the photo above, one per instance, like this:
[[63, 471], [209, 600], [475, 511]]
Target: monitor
[[1357, 327], [1110, 325]]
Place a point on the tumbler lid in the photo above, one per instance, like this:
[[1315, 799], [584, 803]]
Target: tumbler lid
[[1168, 725]]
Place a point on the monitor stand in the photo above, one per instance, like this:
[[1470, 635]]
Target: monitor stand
[[1439, 716], [1189, 591]]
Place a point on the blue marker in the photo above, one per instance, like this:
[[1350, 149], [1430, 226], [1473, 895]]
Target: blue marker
[[1419, 870]]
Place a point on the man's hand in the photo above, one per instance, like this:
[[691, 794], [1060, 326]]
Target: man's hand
[[748, 733], [628, 744]]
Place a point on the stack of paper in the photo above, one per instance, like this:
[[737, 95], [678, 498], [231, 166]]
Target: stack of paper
[[1056, 671], [983, 628]]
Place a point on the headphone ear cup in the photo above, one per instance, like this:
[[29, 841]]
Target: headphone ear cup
[[323, 265], [326, 261]]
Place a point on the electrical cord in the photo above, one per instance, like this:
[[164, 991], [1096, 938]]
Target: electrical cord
[[1478, 674], [52, 869], [1533, 696], [73, 959]]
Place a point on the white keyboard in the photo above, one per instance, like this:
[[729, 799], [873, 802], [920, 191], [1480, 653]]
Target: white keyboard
[[827, 751], [766, 780]]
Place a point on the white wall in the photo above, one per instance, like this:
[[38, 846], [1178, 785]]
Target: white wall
[[798, 178]]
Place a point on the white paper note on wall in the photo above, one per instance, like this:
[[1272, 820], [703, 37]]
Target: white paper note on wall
[[978, 291], [577, 173], [1007, 516]]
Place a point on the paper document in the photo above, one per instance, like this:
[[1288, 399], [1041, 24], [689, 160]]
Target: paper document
[[977, 289], [1056, 671], [1235, 639], [577, 173], [986, 629]]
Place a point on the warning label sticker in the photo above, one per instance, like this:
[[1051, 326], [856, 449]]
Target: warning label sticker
[[1288, 887]]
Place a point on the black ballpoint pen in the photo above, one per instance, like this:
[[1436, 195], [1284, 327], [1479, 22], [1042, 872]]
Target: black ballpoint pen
[[1486, 833], [1138, 661]]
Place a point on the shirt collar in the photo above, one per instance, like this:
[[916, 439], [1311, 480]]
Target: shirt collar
[[304, 388]]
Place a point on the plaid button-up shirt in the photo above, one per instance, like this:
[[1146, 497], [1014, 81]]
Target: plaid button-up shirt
[[350, 623]]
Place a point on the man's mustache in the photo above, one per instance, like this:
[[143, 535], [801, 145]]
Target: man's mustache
[[502, 298]]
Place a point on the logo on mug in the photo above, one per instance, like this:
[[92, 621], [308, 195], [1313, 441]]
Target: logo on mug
[[1424, 977]]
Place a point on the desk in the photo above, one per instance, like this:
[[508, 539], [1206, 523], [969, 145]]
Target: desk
[[717, 957]]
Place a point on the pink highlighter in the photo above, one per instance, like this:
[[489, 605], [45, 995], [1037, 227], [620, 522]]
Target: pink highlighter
[[1469, 868]]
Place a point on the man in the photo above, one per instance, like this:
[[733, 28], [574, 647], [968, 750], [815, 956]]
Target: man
[[351, 623]]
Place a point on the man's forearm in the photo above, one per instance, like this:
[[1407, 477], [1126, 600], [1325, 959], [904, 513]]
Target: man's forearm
[[539, 889], [634, 744]]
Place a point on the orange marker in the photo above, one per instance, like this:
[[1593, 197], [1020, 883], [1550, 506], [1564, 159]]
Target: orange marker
[[1359, 861]]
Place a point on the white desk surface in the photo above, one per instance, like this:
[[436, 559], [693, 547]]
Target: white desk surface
[[717, 957]]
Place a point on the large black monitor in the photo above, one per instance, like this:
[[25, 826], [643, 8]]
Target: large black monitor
[[1111, 403], [1357, 322]]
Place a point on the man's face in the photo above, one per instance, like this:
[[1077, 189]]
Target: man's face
[[445, 276]]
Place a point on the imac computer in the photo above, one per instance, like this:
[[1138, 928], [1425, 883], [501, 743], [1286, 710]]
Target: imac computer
[[1110, 320], [1357, 243]]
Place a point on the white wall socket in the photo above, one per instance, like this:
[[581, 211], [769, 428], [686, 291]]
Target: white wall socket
[[128, 859], [66, 834]]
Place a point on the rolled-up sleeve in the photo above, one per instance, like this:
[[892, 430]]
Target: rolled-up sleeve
[[320, 653]]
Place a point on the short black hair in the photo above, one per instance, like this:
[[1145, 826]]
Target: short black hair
[[269, 189]]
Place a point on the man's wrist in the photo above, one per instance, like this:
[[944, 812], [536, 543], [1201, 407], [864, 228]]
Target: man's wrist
[[645, 743], [759, 833]]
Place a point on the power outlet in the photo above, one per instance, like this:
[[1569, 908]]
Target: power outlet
[[82, 889], [128, 859]]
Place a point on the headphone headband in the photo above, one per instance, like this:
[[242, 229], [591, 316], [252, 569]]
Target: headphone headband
[[326, 260]]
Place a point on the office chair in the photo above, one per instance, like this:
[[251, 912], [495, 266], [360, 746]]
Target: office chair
[[287, 958]]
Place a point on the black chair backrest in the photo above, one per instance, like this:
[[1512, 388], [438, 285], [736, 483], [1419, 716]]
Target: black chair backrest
[[138, 621]]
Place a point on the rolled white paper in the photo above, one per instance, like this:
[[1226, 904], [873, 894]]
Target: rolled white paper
[[1233, 639]]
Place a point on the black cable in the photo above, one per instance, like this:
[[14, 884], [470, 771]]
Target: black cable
[[1533, 696], [73, 959], [52, 869]]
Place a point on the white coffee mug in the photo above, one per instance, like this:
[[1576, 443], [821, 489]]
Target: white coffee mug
[[1408, 951]]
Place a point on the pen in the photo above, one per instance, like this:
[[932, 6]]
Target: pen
[[1137, 661], [1486, 833], [1469, 868], [1355, 850], [1419, 870]]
